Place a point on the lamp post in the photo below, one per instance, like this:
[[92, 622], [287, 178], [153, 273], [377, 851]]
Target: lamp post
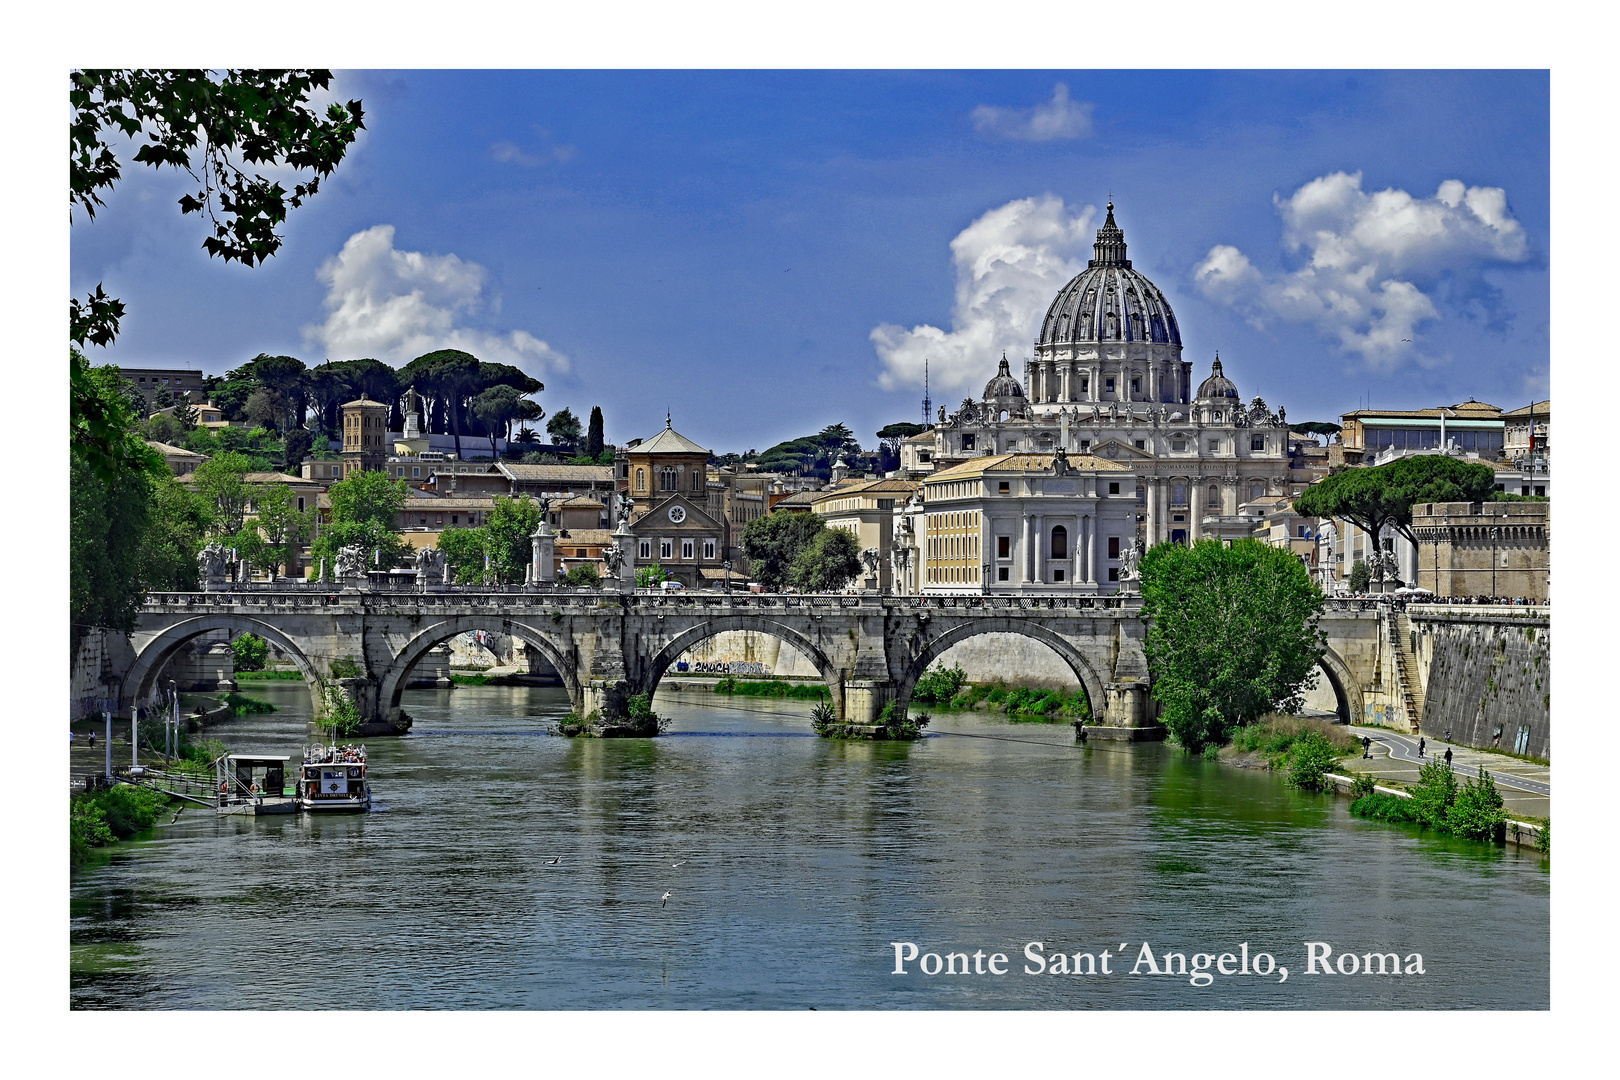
[[727, 565], [984, 579]]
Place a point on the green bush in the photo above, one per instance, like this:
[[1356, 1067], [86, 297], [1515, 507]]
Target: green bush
[[250, 652], [87, 828], [1385, 808], [242, 705], [96, 819], [340, 717], [1360, 576], [1362, 785], [583, 576], [727, 685], [269, 675], [823, 717], [346, 667], [940, 684], [1477, 811], [1310, 760], [1433, 794]]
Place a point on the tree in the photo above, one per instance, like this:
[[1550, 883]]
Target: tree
[[213, 126], [1371, 498], [564, 429], [773, 543], [1360, 577], [1232, 634], [111, 475], [177, 525], [892, 435], [287, 380], [583, 576], [828, 562], [1316, 427], [222, 483], [463, 550], [264, 408], [365, 506], [650, 577], [286, 529], [295, 447], [249, 652], [448, 376], [593, 440], [506, 537], [498, 406]]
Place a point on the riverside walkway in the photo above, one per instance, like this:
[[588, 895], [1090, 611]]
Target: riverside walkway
[[1526, 786]]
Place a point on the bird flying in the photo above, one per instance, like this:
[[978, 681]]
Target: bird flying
[[664, 901]]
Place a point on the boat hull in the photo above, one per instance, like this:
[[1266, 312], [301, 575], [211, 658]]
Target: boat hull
[[335, 806]]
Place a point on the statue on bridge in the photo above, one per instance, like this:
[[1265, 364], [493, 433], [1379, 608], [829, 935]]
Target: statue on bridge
[[613, 558], [211, 563], [1129, 561], [622, 505], [428, 563], [351, 562]]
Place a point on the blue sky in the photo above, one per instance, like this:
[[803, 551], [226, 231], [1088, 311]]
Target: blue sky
[[763, 253]]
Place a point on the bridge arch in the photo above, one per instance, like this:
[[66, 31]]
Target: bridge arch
[[140, 684], [938, 646], [392, 682], [688, 639], [1346, 690]]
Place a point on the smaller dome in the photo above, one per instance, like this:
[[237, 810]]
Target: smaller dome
[[1003, 386], [1217, 385]]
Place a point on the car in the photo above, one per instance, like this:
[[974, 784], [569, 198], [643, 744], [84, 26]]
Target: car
[[671, 586]]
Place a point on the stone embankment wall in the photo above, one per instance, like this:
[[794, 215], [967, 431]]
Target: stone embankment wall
[[1010, 657], [1488, 681]]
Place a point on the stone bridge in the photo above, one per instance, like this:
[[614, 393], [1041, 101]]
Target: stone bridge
[[608, 646]]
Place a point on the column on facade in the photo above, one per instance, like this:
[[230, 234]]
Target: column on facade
[[1091, 546], [1040, 549], [1025, 552], [1195, 508], [1076, 538], [1150, 488]]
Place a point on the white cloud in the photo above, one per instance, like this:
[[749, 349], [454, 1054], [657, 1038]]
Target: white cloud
[[1009, 264], [1059, 118], [396, 305], [509, 153], [1369, 257]]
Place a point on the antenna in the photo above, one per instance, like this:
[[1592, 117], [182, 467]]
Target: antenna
[[927, 405]]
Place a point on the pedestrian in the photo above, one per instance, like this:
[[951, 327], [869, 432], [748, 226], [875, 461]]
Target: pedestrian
[[1448, 757], [1421, 744], [1366, 746], [1448, 734], [92, 740]]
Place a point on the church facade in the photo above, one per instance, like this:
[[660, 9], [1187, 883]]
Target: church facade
[[1107, 380]]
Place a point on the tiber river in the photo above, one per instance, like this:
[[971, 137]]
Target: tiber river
[[799, 862]]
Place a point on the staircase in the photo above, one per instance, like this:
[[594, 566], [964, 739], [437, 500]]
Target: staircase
[[1406, 668]]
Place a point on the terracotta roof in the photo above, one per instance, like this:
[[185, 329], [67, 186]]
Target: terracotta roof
[[921, 437], [1025, 463], [585, 538], [668, 441], [533, 473], [367, 402], [800, 498], [580, 502], [898, 487], [173, 451], [1540, 408]]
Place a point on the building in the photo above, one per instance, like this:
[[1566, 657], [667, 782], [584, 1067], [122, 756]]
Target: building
[[366, 440], [866, 509], [1473, 426], [1278, 524], [1107, 380], [666, 477], [176, 381], [180, 461], [1023, 524], [1527, 432], [1484, 549], [558, 481]]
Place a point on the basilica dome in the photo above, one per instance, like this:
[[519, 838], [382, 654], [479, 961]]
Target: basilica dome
[[1217, 385], [1003, 387], [1108, 301]]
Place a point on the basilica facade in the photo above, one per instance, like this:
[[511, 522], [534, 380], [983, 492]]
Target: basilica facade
[[1107, 380]]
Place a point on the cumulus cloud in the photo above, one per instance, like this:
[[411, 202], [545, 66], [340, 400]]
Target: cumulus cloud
[[1369, 259], [1059, 118], [396, 305], [510, 153], [1009, 264]]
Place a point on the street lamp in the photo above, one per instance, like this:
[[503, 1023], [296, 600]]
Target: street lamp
[[727, 565]]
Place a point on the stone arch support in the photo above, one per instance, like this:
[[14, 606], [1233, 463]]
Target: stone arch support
[[1345, 687], [154, 655], [934, 648], [647, 679], [392, 681]]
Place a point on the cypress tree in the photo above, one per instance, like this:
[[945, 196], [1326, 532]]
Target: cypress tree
[[593, 438]]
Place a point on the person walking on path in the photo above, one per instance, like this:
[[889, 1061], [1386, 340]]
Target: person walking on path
[[92, 740], [1366, 747], [1448, 757], [1421, 744]]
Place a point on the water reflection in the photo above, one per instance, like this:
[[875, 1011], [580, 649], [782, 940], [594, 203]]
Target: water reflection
[[515, 869]]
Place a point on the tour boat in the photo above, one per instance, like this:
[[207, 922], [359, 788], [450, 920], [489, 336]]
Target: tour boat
[[333, 780]]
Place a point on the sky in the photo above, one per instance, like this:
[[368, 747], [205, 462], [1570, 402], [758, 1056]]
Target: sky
[[759, 254]]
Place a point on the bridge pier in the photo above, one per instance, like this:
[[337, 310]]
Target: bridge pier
[[864, 700]]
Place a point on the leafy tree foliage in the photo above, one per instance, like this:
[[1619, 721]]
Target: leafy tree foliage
[[499, 406], [890, 437], [650, 577], [594, 439], [1371, 498], [828, 562], [284, 527], [564, 429], [222, 483], [583, 576], [365, 506], [773, 544], [179, 521], [463, 549], [1360, 576], [1316, 427], [506, 537], [1232, 634], [249, 652]]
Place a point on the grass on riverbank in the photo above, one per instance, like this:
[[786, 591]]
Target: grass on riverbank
[[242, 705], [1303, 747], [948, 688], [772, 688], [258, 676]]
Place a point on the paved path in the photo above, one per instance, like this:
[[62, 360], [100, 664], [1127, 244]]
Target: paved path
[[1526, 786]]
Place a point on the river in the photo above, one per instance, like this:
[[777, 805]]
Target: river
[[800, 861]]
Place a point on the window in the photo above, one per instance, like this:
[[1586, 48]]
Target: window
[[1257, 442], [300, 504], [708, 549], [698, 480], [1113, 547], [1499, 487], [1178, 445], [644, 550], [1004, 487], [641, 479], [1113, 573], [1257, 491], [1085, 386], [1141, 444], [1113, 487], [666, 478], [1214, 495], [925, 456], [1136, 387], [1540, 490], [1304, 532], [1060, 544], [1085, 446], [1524, 491], [967, 442], [666, 547], [1108, 385], [1057, 574], [1003, 547], [455, 519], [416, 471], [687, 549], [1178, 495], [1214, 446], [1001, 574], [1141, 495]]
